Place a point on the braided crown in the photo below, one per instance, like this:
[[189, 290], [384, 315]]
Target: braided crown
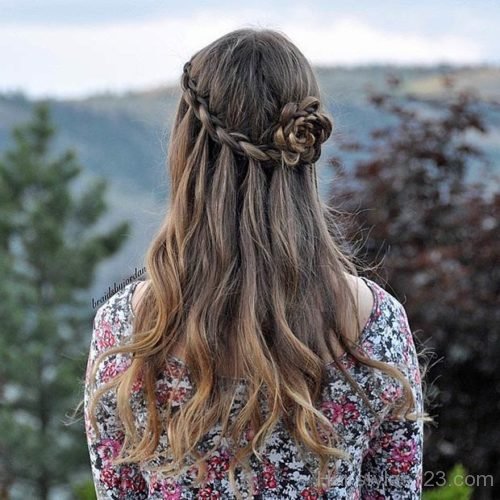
[[296, 138]]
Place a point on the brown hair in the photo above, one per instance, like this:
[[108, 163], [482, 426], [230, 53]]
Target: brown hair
[[246, 270]]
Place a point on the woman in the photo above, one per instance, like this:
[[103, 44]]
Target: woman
[[254, 362]]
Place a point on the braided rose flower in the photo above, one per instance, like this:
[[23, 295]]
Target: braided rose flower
[[296, 138], [301, 131]]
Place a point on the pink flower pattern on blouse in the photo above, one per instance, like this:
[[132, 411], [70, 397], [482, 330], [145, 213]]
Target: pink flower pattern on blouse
[[386, 453]]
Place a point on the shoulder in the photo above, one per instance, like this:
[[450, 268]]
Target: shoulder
[[363, 296], [113, 319], [390, 337], [137, 294]]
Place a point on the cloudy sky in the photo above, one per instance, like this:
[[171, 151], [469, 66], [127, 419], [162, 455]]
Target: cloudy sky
[[71, 48]]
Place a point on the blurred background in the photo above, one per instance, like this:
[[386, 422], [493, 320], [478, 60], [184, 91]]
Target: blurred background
[[87, 95]]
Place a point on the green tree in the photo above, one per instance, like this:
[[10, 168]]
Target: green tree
[[455, 488], [49, 250]]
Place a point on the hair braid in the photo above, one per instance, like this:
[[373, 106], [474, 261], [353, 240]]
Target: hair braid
[[302, 130], [238, 142], [297, 137]]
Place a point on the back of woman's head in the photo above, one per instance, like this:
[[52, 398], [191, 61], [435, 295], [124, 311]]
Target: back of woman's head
[[246, 90], [245, 273]]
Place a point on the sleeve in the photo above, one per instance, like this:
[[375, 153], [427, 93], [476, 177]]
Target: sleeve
[[114, 482], [392, 465]]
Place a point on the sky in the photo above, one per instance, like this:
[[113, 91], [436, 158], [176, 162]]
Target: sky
[[73, 48]]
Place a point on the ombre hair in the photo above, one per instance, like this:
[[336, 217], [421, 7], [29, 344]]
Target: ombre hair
[[247, 271]]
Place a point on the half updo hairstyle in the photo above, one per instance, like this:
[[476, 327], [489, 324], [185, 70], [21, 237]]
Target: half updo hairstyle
[[246, 271]]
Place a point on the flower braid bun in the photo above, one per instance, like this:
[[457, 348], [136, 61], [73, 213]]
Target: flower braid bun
[[301, 131], [296, 138]]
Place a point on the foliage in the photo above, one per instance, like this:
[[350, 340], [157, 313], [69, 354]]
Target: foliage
[[84, 491], [454, 489], [438, 233], [48, 255]]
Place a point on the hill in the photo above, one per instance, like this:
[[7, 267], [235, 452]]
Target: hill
[[124, 138]]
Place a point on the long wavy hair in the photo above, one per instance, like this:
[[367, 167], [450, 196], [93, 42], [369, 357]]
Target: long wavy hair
[[246, 271]]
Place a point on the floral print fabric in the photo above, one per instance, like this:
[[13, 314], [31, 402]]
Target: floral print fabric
[[385, 453]]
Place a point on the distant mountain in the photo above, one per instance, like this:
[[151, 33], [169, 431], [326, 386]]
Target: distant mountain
[[124, 138]]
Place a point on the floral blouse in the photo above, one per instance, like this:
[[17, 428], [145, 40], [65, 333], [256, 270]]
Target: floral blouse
[[386, 453]]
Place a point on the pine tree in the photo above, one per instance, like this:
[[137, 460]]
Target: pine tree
[[49, 250]]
